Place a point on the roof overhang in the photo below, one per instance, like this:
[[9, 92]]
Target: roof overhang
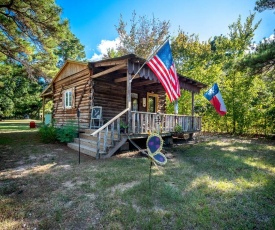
[[134, 65]]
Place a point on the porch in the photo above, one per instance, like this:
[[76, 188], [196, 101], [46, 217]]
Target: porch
[[106, 140], [144, 123]]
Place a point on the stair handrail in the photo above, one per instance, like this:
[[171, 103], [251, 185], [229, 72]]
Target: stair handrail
[[110, 122]]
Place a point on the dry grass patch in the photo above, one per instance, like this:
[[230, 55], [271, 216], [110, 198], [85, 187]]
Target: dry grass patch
[[221, 183]]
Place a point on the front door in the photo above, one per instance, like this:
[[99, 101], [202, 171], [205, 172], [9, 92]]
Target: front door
[[152, 102]]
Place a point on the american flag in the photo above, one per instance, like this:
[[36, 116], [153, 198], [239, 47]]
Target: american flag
[[163, 66]]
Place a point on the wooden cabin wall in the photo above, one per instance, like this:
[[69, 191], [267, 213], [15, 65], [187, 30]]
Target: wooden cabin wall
[[112, 96], [109, 95], [69, 69], [78, 81], [156, 89], [162, 96]]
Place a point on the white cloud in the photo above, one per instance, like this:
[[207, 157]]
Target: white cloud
[[103, 48], [272, 37], [96, 57]]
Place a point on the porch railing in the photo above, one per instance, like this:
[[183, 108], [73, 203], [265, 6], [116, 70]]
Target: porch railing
[[143, 122], [109, 131]]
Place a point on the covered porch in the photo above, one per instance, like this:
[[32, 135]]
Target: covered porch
[[130, 94], [125, 83]]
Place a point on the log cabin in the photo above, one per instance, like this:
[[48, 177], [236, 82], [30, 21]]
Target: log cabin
[[112, 95]]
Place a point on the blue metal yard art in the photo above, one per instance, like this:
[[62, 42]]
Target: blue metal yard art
[[154, 146]]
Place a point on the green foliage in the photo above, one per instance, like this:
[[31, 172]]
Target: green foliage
[[123, 125], [178, 129], [34, 42], [112, 53], [262, 5], [249, 97], [48, 133], [48, 107], [67, 132], [19, 95], [34, 35], [144, 35], [261, 60], [69, 48]]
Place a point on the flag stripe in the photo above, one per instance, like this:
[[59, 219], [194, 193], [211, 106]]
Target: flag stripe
[[162, 65], [160, 70], [215, 98]]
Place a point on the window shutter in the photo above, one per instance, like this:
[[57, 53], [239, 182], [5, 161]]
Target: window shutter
[[63, 99], [73, 97]]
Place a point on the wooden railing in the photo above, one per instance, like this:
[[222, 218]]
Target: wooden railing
[[143, 122], [110, 130]]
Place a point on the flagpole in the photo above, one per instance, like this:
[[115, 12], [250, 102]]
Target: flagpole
[[149, 58]]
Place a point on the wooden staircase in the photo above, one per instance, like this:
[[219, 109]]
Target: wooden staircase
[[102, 142]]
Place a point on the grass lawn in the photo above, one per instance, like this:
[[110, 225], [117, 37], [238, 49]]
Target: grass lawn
[[17, 125], [222, 182]]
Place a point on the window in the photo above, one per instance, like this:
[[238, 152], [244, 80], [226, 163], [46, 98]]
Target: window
[[68, 98], [134, 99]]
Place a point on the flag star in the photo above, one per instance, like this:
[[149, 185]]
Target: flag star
[[211, 91]]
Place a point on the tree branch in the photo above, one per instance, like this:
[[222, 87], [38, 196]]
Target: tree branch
[[7, 5]]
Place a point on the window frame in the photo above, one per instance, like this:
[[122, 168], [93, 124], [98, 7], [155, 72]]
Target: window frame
[[156, 96], [68, 98]]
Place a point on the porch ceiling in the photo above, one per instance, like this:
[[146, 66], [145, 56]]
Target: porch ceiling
[[132, 64]]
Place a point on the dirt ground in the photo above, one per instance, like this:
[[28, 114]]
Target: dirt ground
[[41, 184]]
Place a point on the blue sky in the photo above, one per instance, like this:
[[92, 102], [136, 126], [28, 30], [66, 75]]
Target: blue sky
[[93, 21]]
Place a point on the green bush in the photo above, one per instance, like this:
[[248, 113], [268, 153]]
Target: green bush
[[48, 133], [67, 132], [178, 129]]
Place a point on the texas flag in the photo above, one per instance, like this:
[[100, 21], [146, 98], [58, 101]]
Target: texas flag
[[214, 96]]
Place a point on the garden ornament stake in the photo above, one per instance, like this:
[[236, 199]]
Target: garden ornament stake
[[78, 116], [154, 146]]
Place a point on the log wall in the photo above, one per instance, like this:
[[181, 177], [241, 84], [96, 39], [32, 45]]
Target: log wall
[[156, 89], [111, 96], [82, 85], [101, 91]]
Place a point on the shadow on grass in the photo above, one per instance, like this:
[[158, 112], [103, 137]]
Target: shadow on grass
[[227, 186], [205, 186]]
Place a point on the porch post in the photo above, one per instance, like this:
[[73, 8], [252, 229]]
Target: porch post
[[193, 104], [176, 107], [193, 112], [43, 110], [128, 99]]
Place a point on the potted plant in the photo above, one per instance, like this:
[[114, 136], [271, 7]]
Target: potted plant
[[123, 127], [178, 131]]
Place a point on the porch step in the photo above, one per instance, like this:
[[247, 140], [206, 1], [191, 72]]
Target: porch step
[[89, 143], [115, 148], [102, 133], [89, 137], [91, 151]]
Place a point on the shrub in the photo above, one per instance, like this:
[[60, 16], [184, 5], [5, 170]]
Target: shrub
[[178, 129], [48, 133], [67, 132]]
